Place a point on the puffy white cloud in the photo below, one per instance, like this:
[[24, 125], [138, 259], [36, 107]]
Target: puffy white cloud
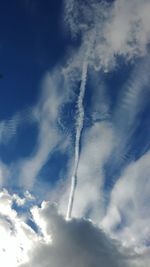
[[16, 236], [74, 243], [21, 201], [77, 242], [57, 242]]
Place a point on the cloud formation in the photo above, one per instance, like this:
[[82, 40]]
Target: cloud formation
[[128, 213], [16, 236], [46, 113], [119, 28], [57, 241], [74, 243]]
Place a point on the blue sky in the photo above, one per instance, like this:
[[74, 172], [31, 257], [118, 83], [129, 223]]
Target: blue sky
[[75, 104]]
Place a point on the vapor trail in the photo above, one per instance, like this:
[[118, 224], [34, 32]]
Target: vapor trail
[[79, 128]]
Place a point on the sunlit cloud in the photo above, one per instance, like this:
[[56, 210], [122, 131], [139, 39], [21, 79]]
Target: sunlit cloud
[[105, 219]]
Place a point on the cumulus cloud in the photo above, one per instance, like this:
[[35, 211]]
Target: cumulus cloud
[[16, 236], [74, 243], [56, 243]]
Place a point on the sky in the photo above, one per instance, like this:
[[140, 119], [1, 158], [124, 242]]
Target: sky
[[74, 133]]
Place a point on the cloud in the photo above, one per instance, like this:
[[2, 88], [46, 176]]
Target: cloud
[[16, 236], [110, 137], [107, 141], [74, 243], [7, 130], [96, 147], [46, 113], [4, 174], [128, 31], [116, 29], [9, 127], [96, 22], [126, 117], [141, 260], [57, 242], [128, 213]]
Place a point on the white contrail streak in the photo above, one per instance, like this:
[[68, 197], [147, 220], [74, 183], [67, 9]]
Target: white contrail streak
[[79, 128]]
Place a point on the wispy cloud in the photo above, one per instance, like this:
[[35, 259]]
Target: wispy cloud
[[132, 100], [47, 114], [9, 127], [119, 29], [4, 174], [128, 212], [97, 145]]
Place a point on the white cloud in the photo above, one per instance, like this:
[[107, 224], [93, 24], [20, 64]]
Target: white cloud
[[132, 100], [21, 201], [47, 114], [19, 243], [97, 144], [120, 28], [16, 236], [111, 34], [96, 148], [128, 32], [57, 242], [103, 138], [8, 128], [129, 206], [4, 173], [74, 243]]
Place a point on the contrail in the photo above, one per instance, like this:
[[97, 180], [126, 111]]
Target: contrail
[[79, 128]]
